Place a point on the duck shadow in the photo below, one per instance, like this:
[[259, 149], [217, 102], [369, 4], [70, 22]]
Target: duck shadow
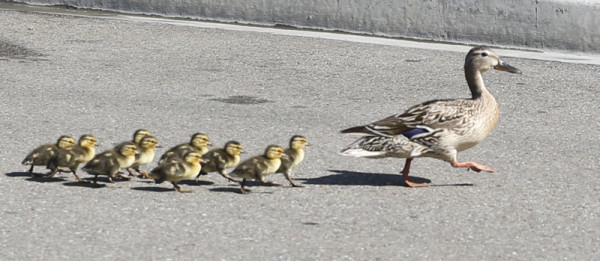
[[355, 178]]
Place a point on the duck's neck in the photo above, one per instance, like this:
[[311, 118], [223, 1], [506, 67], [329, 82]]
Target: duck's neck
[[475, 82]]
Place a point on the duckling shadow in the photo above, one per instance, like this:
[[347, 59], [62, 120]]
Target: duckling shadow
[[154, 189], [196, 182], [19, 174], [86, 184], [354, 178], [228, 189], [35, 177]]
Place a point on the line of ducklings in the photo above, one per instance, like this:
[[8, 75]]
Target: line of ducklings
[[187, 161]]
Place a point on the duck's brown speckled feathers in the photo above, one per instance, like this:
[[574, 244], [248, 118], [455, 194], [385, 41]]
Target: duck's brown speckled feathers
[[438, 128]]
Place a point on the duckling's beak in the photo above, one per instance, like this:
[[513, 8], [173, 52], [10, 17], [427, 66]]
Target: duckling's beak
[[209, 144], [284, 156], [502, 66], [204, 161], [242, 152], [158, 146]]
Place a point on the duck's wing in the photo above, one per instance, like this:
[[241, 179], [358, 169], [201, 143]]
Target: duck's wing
[[418, 119], [380, 147]]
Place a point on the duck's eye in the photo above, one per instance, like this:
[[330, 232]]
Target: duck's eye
[[484, 54]]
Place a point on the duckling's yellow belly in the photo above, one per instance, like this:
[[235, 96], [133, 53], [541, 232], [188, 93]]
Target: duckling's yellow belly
[[145, 158]]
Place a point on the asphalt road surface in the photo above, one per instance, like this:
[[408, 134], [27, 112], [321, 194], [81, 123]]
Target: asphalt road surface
[[81, 72]]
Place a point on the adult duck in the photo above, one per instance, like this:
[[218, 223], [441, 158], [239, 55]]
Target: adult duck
[[438, 128]]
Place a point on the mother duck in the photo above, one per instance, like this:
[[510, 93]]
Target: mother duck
[[438, 128]]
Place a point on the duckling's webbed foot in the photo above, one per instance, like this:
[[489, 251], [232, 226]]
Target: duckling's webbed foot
[[229, 177], [179, 189], [145, 175], [289, 178], [132, 172], [474, 166]]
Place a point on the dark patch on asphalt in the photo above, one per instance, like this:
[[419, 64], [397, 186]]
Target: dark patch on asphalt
[[241, 99]]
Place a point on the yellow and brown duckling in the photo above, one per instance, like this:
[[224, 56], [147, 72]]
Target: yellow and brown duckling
[[221, 159], [256, 168], [110, 161], [71, 157], [42, 154], [295, 155], [178, 169], [199, 142], [139, 134], [145, 154]]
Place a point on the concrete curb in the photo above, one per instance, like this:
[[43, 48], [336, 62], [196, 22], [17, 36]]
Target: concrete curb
[[551, 24]]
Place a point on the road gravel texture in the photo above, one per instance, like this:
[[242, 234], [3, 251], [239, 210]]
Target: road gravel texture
[[76, 74]]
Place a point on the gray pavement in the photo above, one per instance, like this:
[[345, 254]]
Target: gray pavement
[[108, 75]]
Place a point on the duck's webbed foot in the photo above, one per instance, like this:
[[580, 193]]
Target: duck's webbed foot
[[474, 166]]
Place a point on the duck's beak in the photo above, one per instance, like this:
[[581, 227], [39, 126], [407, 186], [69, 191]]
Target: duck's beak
[[502, 66]]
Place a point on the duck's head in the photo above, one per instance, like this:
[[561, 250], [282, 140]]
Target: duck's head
[[298, 142], [274, 152], [200, 140], [233, 148], [127, 148], [139, 134], [482, 59], [148, 142], [193, 157], [87, 141], [65, 141]]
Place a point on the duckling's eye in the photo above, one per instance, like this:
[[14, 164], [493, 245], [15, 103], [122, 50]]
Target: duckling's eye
[[484, 54]]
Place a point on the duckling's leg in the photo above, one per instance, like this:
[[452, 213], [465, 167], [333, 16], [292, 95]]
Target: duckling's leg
[[52, 173], [31, 171], [144, 174], [222, 172], [131, 173], [477, 167], [405, 171], [289, 178], [77, 176], [179, 188], [242, 186], [264, 181]]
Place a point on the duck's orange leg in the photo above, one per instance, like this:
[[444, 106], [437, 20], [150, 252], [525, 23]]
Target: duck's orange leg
[[405, 172], [477, 167]]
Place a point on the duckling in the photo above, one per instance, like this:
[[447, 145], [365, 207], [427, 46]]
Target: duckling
[[145, 154], [42, 154], [221, 159], [256, 168], [139, 134], [200, 142], [295, 155], [111, 161], [178, 169], [71, 157]]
